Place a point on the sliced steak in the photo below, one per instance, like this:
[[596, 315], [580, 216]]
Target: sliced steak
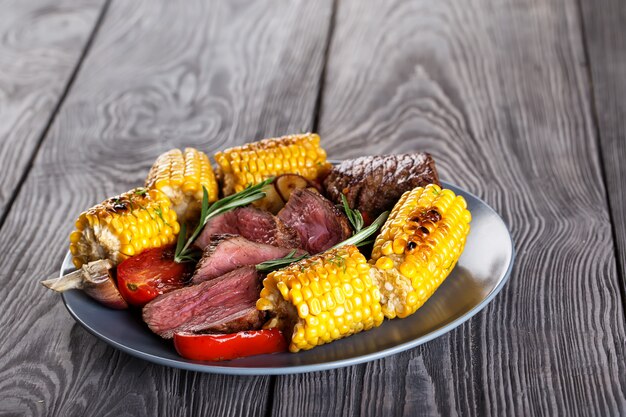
[[246, 319], [253, 224], [373, 184], [226, 253], [318, 222], [224, 304]]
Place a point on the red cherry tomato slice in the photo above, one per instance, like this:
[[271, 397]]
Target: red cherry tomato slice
[[220, 347], [153, 272]]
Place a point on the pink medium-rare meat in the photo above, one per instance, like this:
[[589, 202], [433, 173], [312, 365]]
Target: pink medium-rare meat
[[318, 222], [247, 318], [224, 304], [226, 253], [253, 224], [374, 184]]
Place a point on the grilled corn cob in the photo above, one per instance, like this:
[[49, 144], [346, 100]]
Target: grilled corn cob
[[123, 226], [181, 175], [250, 164], [417, 247], [323, 298]]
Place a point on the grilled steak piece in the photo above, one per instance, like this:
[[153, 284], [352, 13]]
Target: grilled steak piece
[[373, 184], [318, 222], [248, 318], [226, 253], [253, 224], [224, 304]]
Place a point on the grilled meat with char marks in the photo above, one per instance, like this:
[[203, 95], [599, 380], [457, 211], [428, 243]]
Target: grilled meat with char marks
[[373, 184]]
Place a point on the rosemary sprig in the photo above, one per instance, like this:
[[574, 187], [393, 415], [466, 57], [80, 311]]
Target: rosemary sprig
[[363, 234], [355, 217], [184, 251], [365, 243], [275, 264]]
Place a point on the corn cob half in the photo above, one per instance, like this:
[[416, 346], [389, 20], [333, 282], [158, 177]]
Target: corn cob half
[[181, 176], [417, 247], [124, 226], [252, 163], [322, 298]]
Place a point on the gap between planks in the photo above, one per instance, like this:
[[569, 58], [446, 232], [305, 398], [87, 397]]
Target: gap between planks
[[593, 110], [55, 112], [322, 81]]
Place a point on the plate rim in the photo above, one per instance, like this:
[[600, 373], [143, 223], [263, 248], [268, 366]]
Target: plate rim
[[300, 369]]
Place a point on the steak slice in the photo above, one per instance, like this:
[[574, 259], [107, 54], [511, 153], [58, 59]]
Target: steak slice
[[253, 224], [226, 253], [224, 304], [318, 222], [246, 319], [373, 184]]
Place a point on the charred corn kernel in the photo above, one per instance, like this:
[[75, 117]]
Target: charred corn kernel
[[180, 175], [122, 226], [249, 164], [325, 308], [426, 232]]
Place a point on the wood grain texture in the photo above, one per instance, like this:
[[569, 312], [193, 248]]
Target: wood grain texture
[[41, 42], [160, 74], [497, 91], [606, 45]]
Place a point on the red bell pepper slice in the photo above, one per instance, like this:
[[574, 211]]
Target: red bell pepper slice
[[221, 347]]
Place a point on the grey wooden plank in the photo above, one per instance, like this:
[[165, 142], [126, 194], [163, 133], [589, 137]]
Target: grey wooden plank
[[160, 74], [496, 91], [41, 42], [603, 23]]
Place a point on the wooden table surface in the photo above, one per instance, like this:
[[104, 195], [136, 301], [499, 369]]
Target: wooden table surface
[[521, 102]]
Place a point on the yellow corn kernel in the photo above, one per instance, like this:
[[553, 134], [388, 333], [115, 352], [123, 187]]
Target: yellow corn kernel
[[75, 236], [398, 246], [295, 295], [387, 248], [128, 250], [384, 263], [408, 269]]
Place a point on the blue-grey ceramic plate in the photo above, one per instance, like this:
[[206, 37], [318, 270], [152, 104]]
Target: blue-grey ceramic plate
[[479, 275]]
